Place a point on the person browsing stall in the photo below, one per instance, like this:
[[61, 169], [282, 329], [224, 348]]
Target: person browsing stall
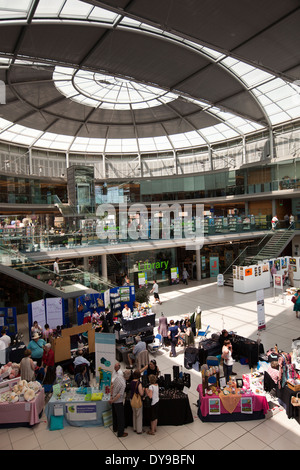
[[36, 345], [227, 359], [139, 347], [5, 338], [153, 392], [151, 368], [27, 367], [173, 334], [117, 402], [137, 413]]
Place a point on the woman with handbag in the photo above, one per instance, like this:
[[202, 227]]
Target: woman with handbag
[[137, 392], [296, 302]]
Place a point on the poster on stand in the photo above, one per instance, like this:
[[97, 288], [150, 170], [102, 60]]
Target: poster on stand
[[214, 266], [38, 312], [105, 358], [142, 277], [174, 276], [107, 298], [260, 301], [55, 313], [277, 281]]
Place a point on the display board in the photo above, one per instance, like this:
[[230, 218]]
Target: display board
[[51, 311], [8, 318], [105, 358], [251, 278], [62, 345], [174, 276], [142, 279], [114, 298], [214, 266], [282, 264], [87, 304]]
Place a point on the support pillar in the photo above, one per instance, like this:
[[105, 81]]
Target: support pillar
[[104, 266], [198, 264]]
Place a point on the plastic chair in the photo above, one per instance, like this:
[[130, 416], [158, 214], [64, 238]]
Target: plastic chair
[[156, 345], [202, 334]]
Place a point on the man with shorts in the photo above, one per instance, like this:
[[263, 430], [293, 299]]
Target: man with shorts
[[154, 290]]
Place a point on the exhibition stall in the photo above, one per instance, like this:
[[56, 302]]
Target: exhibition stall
[[252, 278], [21, 402], [232, 402]]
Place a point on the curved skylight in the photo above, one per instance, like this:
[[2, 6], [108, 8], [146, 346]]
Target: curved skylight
[[279, 100], [106, 91]]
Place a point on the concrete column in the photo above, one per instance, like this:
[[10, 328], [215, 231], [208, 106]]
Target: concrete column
[[86, 263], [198, 264], [273, 207], [104, 266]]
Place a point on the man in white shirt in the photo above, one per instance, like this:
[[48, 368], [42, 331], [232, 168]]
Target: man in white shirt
[[117, 371], [5, 338], [154, 290], [126, 312], [55, 266]]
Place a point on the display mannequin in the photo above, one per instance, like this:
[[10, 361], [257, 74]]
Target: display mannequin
[[198, 318]]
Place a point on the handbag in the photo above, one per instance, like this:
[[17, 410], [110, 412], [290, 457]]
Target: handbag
[[293, 299], [147, 402], [136, 400]]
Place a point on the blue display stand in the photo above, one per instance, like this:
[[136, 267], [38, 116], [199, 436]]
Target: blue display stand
[[9, 315], [87, 304]]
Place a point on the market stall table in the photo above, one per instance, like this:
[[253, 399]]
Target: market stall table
[[284, 396], [218, 408], [138, 323], [244, 347], [22, 412], [76, 410], [173, 410]]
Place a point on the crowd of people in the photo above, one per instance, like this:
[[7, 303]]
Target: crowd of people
[[140, 398]]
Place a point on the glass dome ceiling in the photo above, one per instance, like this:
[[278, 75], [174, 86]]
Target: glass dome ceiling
[[276, 97]]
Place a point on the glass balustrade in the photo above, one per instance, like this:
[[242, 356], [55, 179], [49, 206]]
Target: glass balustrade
[[70, 279], [33, 239]]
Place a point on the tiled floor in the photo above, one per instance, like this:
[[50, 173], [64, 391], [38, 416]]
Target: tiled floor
[[222, 308]]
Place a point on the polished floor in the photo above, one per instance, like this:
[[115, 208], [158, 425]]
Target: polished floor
[[222, 308]]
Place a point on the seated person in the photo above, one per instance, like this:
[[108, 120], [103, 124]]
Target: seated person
[[140, 346], [81, 378], [126, 312], [151, 368], [79, 361]]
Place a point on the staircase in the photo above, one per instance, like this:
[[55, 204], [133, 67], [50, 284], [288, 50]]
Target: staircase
[[74, 282], [271, 246]]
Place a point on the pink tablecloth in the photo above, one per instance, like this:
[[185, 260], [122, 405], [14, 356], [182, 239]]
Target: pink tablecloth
[[23, 412], [259, 402]]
